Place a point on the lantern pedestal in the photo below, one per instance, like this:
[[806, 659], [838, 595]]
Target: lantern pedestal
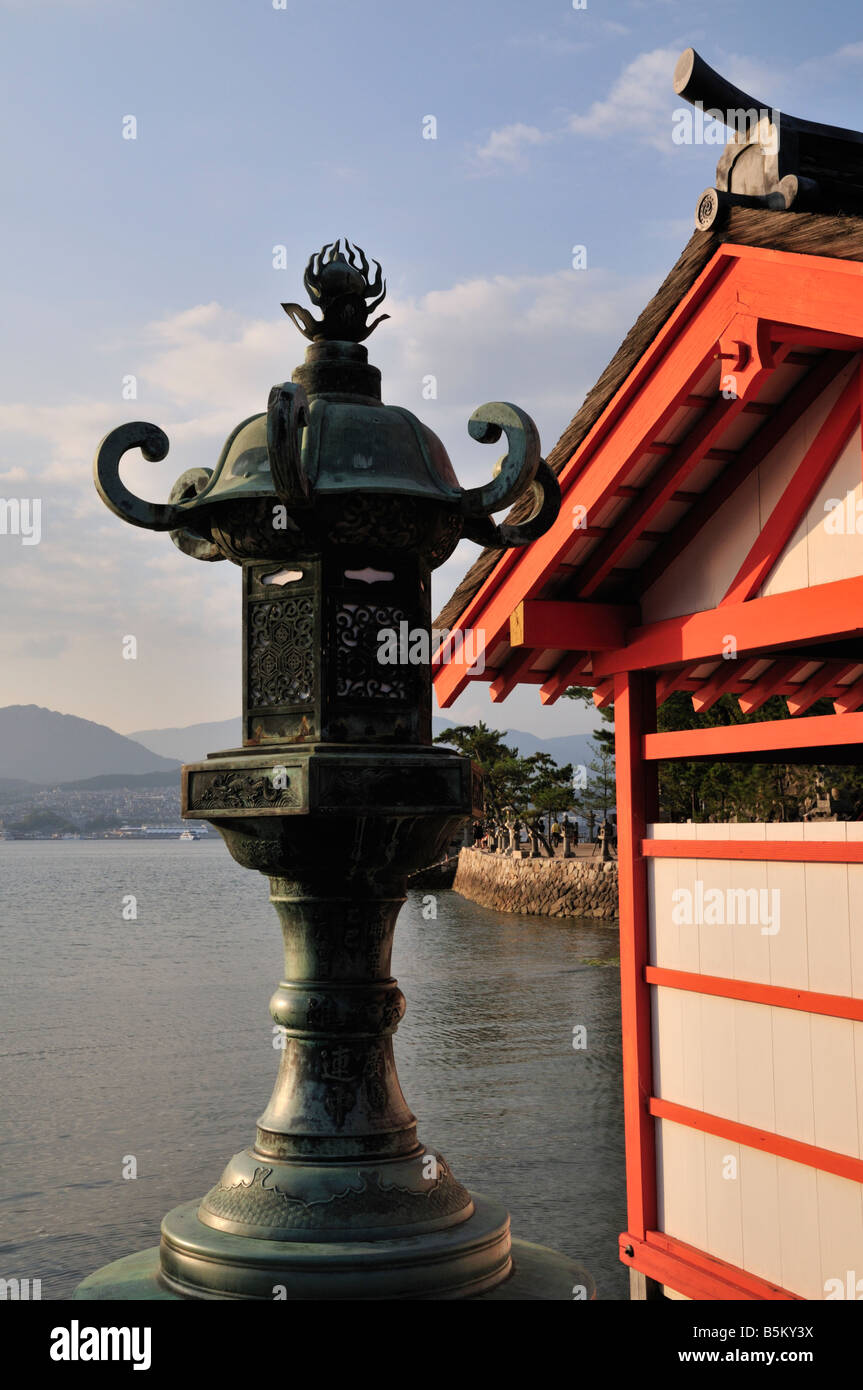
[[335, 1198], [537, 1275]]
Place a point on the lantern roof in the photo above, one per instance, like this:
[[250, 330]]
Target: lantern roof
[[326, 433]]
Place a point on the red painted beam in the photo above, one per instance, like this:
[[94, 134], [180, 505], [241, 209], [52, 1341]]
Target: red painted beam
[[570, 626], [634, 715], [776, 996], [603, 695], [771, 735], [819, 613], [824, 1160], [813, 338], [770, 851], [671, 681], [694, 1273]]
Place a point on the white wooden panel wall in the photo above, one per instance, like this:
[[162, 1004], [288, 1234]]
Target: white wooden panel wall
[[788, 1072], [814, 554]]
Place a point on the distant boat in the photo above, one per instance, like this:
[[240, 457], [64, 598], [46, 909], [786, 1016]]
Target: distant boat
[[187, 835]]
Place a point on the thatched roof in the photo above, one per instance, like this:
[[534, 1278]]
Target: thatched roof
[[812, 234]]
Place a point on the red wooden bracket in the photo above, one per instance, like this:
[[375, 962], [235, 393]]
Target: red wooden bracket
[[746, 351]]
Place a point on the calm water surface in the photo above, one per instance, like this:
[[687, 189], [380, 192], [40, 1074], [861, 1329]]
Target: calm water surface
[[153, 1038]]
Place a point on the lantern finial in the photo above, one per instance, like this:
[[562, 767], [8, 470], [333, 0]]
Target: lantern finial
[[340, 285]]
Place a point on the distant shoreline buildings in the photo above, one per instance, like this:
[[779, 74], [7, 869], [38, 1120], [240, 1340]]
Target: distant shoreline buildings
[[123, 832]]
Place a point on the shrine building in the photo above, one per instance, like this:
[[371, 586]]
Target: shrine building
[[710, 541]]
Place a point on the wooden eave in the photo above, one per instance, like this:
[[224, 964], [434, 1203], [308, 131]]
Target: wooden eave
[[656, 464]]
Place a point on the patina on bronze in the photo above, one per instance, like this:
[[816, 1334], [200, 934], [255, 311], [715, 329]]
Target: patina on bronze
[[337, 507]]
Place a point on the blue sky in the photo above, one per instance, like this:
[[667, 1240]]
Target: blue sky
[[260, 127]]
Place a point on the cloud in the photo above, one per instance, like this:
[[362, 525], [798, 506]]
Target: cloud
[[638, 105], [587, 26], [849, 52], [489, 337], [508, 145], [638, 102], [44, 648], [549, 45], [204, 368]]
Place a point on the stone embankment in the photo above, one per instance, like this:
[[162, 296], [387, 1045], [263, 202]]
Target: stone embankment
[[550, 887]]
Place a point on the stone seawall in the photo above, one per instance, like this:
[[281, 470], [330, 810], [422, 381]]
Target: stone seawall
[[550, 887]]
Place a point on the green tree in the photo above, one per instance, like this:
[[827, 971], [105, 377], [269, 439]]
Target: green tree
[[599, 794], [500, 764], [529, 788]]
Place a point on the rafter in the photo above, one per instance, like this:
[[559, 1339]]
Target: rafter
[[658, 491], [819, 685], [707, 504], [729, 674], [850, 699], [671, 681], [770, 682], [563, 677], [512, 674]]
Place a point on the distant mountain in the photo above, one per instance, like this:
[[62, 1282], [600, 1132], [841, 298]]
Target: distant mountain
[[195, 741], [127, 780], [43, 746], [15, 789]]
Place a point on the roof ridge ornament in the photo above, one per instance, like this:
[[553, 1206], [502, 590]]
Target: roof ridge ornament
[[772, 160], [339, 284]]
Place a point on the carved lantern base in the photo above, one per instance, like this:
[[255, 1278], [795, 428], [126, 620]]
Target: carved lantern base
[[537, 1274], [335, 1197]]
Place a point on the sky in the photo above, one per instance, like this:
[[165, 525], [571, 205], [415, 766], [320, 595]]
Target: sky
[[152, 264]]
